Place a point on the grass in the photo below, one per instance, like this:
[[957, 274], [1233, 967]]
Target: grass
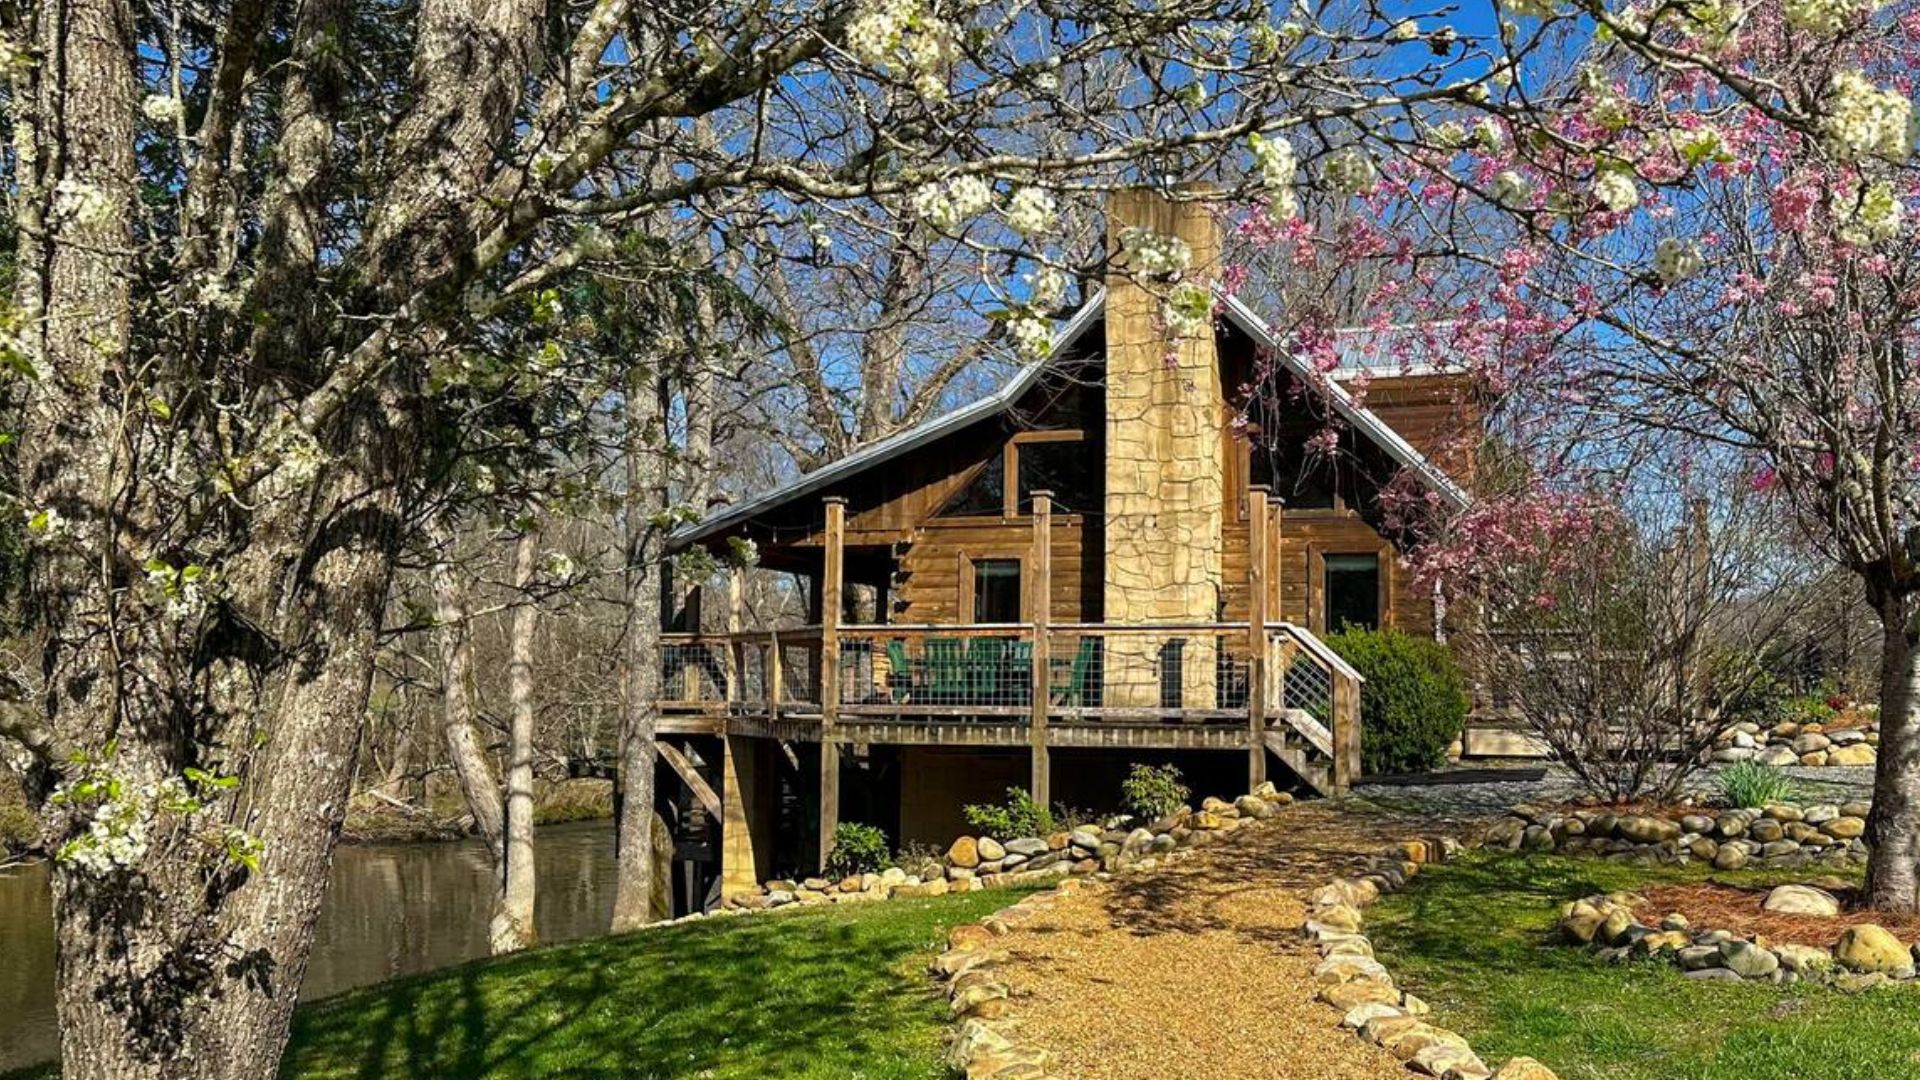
[[832, 992], [1476, 939], [828, 992]]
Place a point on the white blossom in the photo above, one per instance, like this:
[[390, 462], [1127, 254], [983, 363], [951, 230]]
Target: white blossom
[[1032, 334], [1511, 189], [1404, 30], [951, 206], [1188, 309], [1351, 171], [559, 567], [1030, 212], [1153, 253], [162, 108], [1532, 9], [1616, 191], [1046, 287], [1876, 214], [1274, 160], [1863, 120], [874, 37], [301, 459], [1676, 260], [1490, 136], [1451, 135], [1827, 16]]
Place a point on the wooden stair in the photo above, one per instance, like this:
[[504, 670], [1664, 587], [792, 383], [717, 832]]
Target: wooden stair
[[1303, 745]]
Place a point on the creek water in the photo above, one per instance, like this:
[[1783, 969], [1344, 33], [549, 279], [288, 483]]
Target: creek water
[[391, 910]]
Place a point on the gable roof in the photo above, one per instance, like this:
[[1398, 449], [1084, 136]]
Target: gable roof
[[1236, 312]]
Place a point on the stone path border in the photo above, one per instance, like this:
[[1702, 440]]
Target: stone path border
[[1361, 989]]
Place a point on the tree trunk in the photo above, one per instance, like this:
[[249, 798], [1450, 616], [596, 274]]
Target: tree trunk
[[513, 926], [645, 497], [1893, 828], [454, 637]]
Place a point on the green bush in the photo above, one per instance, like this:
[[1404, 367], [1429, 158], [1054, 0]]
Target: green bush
[[857, 849], [1765, 700], [1151, 792], [1751, 785], [1019, 816], [1414, 703]]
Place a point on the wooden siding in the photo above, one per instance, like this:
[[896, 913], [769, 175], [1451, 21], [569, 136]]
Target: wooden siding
[[928, 587], [1304, 535]]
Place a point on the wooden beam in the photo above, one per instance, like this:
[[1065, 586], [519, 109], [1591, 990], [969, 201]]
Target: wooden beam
[[831, 585], [736, 622], [1039, 611], [1256, 636], [683, 765]]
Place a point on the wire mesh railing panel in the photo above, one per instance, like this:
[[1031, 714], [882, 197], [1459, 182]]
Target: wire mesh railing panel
[[693, 671], [799, 672], [1151, 673], [934, 671]]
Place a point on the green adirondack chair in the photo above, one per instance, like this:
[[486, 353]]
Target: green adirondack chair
[[946, 670], [988, 671], [903, 674], [1080, 691]]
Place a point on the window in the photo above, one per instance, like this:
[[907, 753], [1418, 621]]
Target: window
[[983, 495], [996, 590], [1067, 469], [1301, 477], [1351, 592]]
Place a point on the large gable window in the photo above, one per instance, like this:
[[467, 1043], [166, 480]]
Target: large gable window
[[1063, 467], [984, 495]]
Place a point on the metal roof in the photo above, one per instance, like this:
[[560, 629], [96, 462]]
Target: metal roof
[[882, 450]]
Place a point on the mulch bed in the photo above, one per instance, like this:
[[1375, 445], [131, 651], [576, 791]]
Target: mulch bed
[[1716, 906]]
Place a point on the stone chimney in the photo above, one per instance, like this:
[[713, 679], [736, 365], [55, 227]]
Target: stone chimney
[[1166, 497]]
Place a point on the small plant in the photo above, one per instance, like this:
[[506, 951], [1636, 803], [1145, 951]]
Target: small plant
[[1151, 792], [1750, 785], [857, 849], [1020, 816], [915, 854]]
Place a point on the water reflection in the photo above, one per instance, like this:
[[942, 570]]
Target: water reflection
[[391, 909]]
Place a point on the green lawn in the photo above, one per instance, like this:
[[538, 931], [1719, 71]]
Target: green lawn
[[1476, 939], [828, 992]]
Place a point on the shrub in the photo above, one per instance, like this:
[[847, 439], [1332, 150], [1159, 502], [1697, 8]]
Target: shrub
[[1151, 792], [1751, 785], [1019, 817], [915, 854], [1765, 700], [1414, 703], [857, 849]]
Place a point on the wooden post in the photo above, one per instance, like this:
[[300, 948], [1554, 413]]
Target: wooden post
[[1276, 561], [739, 781], [736, 620], [831, 585], [692, 660], [1256, 636], [1346, 732], [1039, 614]]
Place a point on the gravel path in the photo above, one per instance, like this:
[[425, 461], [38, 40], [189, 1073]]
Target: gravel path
[[1199, 968]]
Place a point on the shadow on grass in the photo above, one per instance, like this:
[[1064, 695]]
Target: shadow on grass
[[824, 993]]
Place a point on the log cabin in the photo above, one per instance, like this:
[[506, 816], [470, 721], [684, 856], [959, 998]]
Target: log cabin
[[1128, 553]]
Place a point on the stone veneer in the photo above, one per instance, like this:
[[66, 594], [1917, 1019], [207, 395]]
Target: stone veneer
[[1166, 495]]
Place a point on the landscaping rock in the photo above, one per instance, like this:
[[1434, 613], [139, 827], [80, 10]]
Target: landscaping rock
[[1858, 754], [1872, 949], [1804, 959], [1027, 846], [1777, 756], [1524, 1068], [1845, 828], [1347, 995], [1747, 960], [990, 850], [1801, 900], [1649, 830]]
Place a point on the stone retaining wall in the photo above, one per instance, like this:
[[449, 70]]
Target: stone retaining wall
[[1826, 834], [979, 862], [1792, 743]]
